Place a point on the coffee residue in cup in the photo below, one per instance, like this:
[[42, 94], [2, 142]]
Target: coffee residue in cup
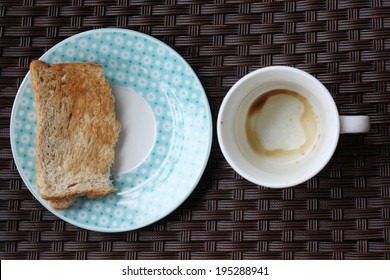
[[281, 123]]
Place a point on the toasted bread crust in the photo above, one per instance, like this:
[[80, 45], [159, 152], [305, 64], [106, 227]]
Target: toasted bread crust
[[77, 131], [62, 204]]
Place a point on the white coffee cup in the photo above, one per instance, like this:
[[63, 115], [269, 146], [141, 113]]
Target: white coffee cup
[[291, 116]]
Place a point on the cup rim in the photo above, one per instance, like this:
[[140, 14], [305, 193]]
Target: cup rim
[[226, 150]]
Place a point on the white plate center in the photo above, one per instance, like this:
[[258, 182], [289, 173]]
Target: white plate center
[[138, 129]]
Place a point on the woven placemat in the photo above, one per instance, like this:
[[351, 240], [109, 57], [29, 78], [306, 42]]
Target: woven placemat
[[343, 213]]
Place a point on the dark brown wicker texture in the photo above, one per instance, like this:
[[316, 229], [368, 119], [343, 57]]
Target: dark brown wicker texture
[[343, 213]]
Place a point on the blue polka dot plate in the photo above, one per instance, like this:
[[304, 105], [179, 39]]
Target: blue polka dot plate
[[166, 132]]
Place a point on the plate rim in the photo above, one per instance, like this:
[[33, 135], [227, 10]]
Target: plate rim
[[185, 196]]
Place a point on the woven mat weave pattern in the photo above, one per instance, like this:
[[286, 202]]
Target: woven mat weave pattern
[[342, 213]]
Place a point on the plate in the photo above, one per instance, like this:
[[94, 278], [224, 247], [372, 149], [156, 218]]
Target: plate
[[153, 84]]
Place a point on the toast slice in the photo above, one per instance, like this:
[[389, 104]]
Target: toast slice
[[77, 131]]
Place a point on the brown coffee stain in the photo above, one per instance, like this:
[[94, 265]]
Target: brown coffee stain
[[309, 122]]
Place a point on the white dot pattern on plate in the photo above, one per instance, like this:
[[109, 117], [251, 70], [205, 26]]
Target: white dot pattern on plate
[[166, 178]]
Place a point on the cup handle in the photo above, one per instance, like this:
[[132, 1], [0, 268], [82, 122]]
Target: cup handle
[[354, 124]]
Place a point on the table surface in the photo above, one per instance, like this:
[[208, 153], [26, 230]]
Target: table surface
[[342, 213]]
